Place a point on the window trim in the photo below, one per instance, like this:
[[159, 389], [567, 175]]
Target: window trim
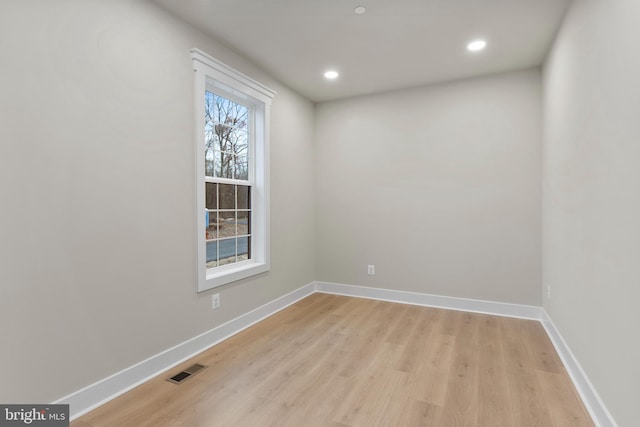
[[213, 74]]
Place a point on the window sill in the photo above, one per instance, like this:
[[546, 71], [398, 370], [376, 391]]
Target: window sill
[[216, 278]]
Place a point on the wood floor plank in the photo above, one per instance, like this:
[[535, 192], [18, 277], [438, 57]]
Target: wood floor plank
[[338, 361], [369, 337], [418, 342], [430, 381], [539, 345], [564, 406], [417, 413], [401, 331], [461, 405], [364, 406], [527, 401], [494, 404]]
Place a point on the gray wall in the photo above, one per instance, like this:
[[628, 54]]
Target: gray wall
[[591, 206], [97, 250], [439, 187]]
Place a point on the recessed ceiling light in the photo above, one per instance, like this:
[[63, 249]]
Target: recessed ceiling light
[[331, 74], [476, 45], [360, 10]]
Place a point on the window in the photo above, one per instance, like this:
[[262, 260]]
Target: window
[[232, 155]]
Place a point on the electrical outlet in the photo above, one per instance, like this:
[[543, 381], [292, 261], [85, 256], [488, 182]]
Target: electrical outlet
[[548, 291], [371, 270], [215, 301]]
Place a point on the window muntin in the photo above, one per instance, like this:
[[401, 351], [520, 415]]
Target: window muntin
[[228, 218]]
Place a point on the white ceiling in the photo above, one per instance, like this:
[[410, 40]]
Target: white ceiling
[[396, 44]]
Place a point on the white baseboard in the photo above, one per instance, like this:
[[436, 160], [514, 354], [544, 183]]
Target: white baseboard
[[598, 411], [428, 300], [99, 393]]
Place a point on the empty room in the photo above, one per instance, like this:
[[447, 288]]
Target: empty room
[[319, 213]]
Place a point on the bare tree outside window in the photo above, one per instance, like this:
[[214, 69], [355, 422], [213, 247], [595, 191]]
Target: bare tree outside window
[[226, 138]]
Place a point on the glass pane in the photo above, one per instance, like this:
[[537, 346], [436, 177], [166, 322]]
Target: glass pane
[[212, 254], [227, 251], [211, 201], [230, 113], [227, 196], [223, 164], [212, 225], [242, 168], [240, 142], [210, 142], [243, 222], [224, 137], [244, 197], [240, 117], [210, 107], [227, 224], [209, 164], [244, 248]]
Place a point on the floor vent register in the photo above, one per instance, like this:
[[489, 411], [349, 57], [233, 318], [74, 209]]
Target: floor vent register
[[187, 373]]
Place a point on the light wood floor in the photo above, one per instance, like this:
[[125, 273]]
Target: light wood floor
[[338, 361]]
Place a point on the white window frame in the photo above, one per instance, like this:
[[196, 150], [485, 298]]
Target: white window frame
[[216, 77]]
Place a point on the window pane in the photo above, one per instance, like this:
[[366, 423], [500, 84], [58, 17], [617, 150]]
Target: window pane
[[211, 197], [227, 224], [228, 129], [244, 222], [244, 197], [210, 106], [227, 251], [242, 168], [240, 116], [231, 113], [240, 143], [227, 196], [244, 248], [212, 225], [224, 164], [209, 134], [209, 164], [224, 137], [212, 254]]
